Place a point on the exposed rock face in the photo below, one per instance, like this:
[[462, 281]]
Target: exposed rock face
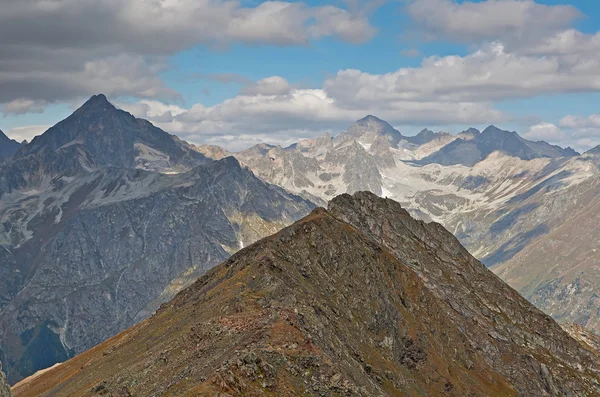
[[476, 146], [97, 135], [4, 387], [358, 300], [91, 248], [8, 146], [426, 136]]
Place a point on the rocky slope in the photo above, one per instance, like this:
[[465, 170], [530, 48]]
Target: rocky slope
[[521, 207], [587, 338], [4, 386], [93, 243], [558, 270], [8, 146], [361, 300]]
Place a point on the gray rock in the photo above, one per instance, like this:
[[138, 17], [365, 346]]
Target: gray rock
[[4, 387]]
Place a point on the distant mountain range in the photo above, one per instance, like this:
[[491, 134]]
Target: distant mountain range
[[473, 146], [104, 217], [356, 300], [527, 209]]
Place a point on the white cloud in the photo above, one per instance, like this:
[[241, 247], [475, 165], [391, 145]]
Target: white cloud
[[283, 116], [545, 132], [62, 50], [581, 132], [567, 42], [570, 121], [490, 73], [274, 85], [514, 22], [27, 132], [334, 21], [22, 106]]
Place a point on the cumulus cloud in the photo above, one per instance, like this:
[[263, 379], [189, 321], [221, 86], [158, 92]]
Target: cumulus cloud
[[63, 49], [545, 132], [585, 131], [567, 42], [27, 132], [22, 106], [274, 85], [570, 121], [285, 115], [488, 74], [514, 22], [580, 132]]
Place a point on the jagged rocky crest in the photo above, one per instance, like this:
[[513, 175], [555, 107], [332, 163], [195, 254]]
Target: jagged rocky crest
[[361, 300], [473, 146]]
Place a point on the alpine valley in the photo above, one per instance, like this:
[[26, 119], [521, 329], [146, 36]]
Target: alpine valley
[[105, 217]]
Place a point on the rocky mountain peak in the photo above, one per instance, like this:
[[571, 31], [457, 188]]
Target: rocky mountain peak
[[374, 126], [469, 134], [99, 135], [425, 136], [325, 138], [496, 132], [370, 119], [473, 147], [97, 102]]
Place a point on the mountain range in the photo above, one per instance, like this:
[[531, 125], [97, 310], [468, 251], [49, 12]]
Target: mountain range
[[105, 217], [356, 300], [519, 206]]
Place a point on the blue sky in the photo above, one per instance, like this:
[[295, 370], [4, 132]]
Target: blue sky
[[236, 74]]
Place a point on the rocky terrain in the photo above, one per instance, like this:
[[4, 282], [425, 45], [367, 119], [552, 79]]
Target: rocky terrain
[[360, 299], [104, 217], [8, 146], [583, 335], [4, 386], [526, 209]]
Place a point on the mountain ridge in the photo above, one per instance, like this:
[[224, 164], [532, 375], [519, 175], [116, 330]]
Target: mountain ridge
[[499, 208], [104, 217], [480, 145], [295, 313]]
